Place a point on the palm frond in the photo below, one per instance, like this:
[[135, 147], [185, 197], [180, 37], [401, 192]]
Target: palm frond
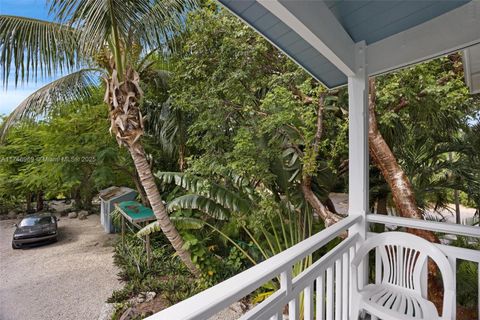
[[75, 86], [98, 20], [145, 21], [163, 21], [185, 223], [213, 191], [204, 204], [30, 46], [166, 125], [95, 18]]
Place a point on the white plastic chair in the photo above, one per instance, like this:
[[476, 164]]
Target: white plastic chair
[[399, 294]]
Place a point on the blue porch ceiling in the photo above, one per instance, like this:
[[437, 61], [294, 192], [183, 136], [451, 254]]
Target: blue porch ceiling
[[369, 20]]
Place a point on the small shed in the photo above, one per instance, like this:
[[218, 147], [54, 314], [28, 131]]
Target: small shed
[[108, 198]]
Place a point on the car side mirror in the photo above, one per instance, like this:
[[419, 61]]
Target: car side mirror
[[15, 225]]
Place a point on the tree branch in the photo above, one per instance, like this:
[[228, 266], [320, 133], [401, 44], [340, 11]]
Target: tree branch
[[319, 133], [323, 212]]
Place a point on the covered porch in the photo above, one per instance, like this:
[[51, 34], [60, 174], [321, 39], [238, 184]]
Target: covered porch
[[344, 43]]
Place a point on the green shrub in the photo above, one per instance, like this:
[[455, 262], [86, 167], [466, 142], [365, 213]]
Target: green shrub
[[167, 275]]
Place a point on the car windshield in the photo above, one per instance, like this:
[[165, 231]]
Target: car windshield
[[35, 221]]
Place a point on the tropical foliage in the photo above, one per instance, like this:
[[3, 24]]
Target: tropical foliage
[[245, 147], [65, 155]]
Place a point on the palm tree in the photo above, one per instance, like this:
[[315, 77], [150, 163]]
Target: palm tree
[[91, 38]]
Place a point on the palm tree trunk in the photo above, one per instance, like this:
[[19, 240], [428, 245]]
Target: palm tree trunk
[[384, 159], [127, 125], [148, 182]]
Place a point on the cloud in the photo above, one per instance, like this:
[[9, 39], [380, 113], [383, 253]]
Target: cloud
[[11, 98]]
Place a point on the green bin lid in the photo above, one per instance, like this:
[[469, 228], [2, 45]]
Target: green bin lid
[[135, 212]]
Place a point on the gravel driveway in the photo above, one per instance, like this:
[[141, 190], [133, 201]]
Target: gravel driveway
[[70, 279]]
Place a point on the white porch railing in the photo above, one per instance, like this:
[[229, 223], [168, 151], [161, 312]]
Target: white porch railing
[[448, 228], [320, 292], [328, 273], [327, 278]]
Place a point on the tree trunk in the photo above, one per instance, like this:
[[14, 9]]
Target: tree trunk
[[384, 159], [457, 207], [330, 205], [402, 191], [322, 211], [182, 163], [382, 205], [456, 197], [127, 126], [77, 197], [39, 201], [326, 215], [87, 201], [148, 182], [382, 208], [29, 203]]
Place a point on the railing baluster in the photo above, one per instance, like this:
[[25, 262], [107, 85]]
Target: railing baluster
[[286, 283], [345, 284], [338, 289], [320, 286], [352, 255], [308, 302], [278, 315], [329, 299], [293, 309]]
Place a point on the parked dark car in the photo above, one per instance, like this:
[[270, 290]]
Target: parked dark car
[[35, 229]]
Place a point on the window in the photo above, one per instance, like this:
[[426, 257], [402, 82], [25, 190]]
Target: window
[[34, 221]]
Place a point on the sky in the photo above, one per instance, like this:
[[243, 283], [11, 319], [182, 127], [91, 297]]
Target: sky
[[12, 97]]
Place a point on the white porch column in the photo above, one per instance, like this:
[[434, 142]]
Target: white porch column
[[358, 141]]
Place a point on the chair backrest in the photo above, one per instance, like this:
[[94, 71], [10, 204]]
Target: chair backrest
[[403, 257]]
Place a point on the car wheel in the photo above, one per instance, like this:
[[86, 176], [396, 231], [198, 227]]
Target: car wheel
[[15, 246]]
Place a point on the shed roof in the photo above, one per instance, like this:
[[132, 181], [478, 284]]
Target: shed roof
[[300, 28], [113, 193]]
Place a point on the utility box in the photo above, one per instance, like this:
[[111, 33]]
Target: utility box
[[108, 198]]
